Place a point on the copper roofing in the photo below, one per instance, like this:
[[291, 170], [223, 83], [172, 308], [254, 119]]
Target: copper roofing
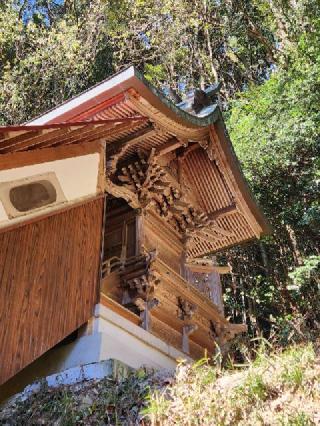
[[127, 109], [111, 90]]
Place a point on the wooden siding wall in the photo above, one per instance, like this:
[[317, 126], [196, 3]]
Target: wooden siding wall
[[48, 283], [159, 235]]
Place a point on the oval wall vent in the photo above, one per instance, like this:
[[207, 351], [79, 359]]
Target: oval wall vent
[[33, 195]]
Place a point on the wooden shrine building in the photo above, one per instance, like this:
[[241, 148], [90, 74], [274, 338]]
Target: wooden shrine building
[[111, 207]]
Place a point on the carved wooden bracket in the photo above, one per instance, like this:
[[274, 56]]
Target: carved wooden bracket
[[215, 330], [122, 192], [145, 307], [226, 332], [146, 182], [221, 333], [186, 310], [152, 186], [139, 279], [120, 148]]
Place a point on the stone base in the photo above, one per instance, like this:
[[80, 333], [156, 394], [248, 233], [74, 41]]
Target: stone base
[[95, 371], [108, 336]]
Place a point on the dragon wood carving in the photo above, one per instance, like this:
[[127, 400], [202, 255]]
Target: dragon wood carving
[[145, 183]]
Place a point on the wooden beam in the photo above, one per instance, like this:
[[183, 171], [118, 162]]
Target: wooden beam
[[21, 159], [49, 126], [221, 231], [225, 211], [130, 140], [169, 146], [122, 192], [19, 136], [207, 269], [141, 105], [118, 309], [192, 147], [202, 236], [24, 141], [66, 135], [222, 270], [202, 269], [119, 148]]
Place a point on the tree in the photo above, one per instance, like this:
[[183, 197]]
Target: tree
[[44, 64], [275, 131], [185, 44]]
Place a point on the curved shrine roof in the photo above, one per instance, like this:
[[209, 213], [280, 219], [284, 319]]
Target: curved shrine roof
[[129, 114]]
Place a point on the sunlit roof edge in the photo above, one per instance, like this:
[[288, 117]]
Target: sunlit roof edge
[[120, 82]]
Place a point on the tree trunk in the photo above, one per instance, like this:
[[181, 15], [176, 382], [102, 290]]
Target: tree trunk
[[298, 259]]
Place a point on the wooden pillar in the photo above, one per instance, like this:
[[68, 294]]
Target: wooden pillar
[[204, 274], [187, 330], [214, 283], [139, 232]]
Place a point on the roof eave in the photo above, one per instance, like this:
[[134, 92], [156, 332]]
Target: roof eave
[[163, 104], [129, 78], [243, 186]]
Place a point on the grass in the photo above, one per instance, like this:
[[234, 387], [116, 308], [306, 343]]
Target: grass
[[300, 419], [277, 388], [254, 388]]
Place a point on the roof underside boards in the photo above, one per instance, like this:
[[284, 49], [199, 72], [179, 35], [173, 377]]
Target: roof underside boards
[[127, 114], [25, 138], [215, 195]]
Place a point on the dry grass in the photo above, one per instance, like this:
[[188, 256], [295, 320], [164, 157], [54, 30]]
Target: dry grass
[[276, 389]]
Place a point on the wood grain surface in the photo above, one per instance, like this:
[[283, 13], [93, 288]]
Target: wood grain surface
[[48, 283]]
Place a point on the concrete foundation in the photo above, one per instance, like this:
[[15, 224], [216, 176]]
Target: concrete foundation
[[107, 336]]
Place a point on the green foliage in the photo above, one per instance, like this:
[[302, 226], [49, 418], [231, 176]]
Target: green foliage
[[300, 419], [277, 388], [106, 401], [294, 363], [191, 43], [41, 66], [63, 47], [276, 135], [275, 131], [266, 392], [254, 388], [303, 275]]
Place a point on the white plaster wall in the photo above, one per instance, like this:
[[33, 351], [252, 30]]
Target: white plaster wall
[[78, 176], [132, 347], [3, 214], [113, 337], [108, 336]]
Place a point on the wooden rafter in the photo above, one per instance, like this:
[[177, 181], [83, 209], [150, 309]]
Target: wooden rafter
[[21, 138], [170, 146], [206, 266]]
